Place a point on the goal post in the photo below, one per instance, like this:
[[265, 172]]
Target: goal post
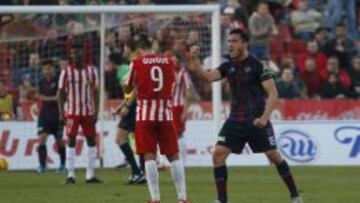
[[213, 11]]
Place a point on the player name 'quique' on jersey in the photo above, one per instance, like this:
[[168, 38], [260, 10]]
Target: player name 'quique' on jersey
[[154, 76]]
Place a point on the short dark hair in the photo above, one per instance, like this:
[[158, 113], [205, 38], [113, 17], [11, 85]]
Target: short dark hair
[[261, 2], [341, 24], [143, 42], [243, 35], [48, 62]]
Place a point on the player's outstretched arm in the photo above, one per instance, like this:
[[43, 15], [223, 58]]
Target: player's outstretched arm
[[195, 66]]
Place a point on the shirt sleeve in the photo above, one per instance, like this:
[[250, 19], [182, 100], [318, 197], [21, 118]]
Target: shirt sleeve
[[262, 72], [62, 79], [223, 70]]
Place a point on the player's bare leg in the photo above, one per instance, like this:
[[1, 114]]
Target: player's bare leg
[[42, 152], [220, 155], [178, 175], [285, 173], [152, 177], [136, 173], [70, 160], [90, 169]]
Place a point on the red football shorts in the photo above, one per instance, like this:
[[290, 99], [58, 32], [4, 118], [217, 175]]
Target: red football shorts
[[179, 124], [74, 122], [149, 134]]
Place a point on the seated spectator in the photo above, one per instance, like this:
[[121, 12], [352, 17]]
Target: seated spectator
[[27, 92], [313, 52], [356, 91], [355, 71], [262, 27], [287, 86], [336, 10], [6, 103], [333, 88], [31, 73], [333, 67], [341, 46], [305, 20], [288, 62], [237, 14], [321, 37], [312, 78]]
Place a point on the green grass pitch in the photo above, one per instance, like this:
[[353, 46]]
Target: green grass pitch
[[246, 185]]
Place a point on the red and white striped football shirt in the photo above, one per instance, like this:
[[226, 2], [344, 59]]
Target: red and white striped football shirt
[[153, 76], [182, 84], [79, 85]]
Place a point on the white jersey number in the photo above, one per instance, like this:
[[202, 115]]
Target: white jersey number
[[158, 77]]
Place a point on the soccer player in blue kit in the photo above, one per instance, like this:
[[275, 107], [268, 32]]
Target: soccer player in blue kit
[[253, 97]]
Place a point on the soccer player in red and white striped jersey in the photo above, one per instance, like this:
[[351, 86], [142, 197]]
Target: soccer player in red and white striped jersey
[[78, 93], [153, 76], [181, 97]]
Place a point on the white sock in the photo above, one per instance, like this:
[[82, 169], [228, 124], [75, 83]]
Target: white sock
[[70, 161], [152, 177], [182, 150], [91, 163], [178, 175]]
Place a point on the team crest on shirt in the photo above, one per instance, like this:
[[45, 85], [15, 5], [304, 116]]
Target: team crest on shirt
[[232, 69], [247, 69]]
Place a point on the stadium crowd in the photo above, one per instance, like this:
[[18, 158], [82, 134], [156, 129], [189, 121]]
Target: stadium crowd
[[312, 46]]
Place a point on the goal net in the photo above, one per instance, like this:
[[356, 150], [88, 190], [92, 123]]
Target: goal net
[[30, 37]]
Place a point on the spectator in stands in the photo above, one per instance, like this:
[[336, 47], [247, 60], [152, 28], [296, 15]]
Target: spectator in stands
[[312, 78], [287, 86], [18, 26], [6, 103], [321, 37], [333, 88], [341, 46], [305, 20], [31, 73], [193, 38], [237, 13], [343, 8], [262, 27], [333, 67], [313, 52], [288, 62], [355, 72]]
